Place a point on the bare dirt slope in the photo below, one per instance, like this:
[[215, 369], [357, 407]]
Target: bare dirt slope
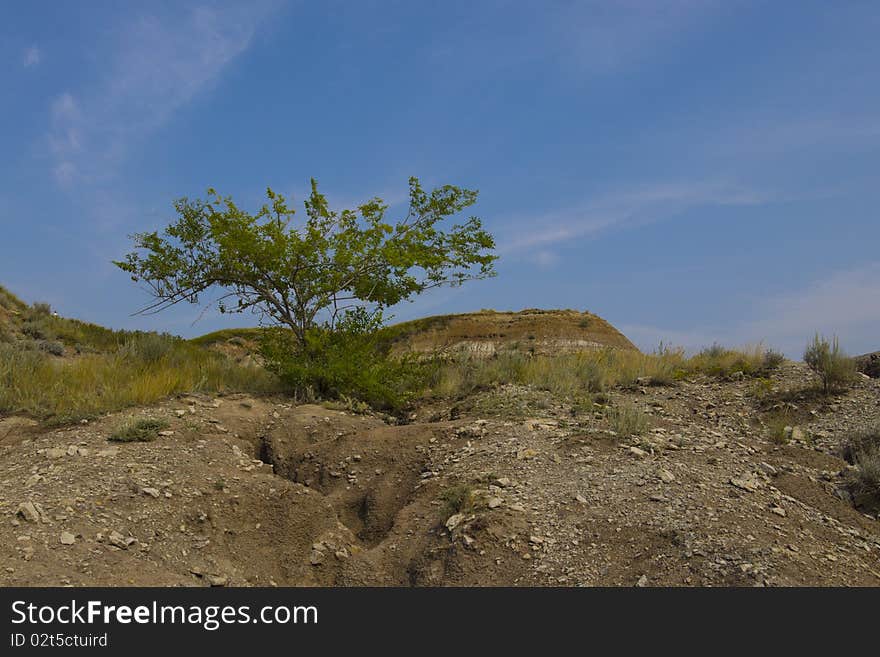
[[260, 492]]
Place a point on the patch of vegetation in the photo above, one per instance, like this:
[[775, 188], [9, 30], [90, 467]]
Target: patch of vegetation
[[627, 421], [235, 335], [724, 363], [835, 369], [863, 451], [51, 347], [457, 499], [761, 389], [779, 426], [348, 361], [773, 360], [570, 375], [138, 373], [138, 431]]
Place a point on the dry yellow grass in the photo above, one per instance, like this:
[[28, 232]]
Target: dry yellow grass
[[65, 390], [575, 374]]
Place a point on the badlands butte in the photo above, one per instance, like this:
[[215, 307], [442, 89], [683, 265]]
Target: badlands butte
[[699, 476]]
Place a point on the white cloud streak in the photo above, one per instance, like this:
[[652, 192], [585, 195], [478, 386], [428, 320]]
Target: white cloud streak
[[635, 206], [157, 65]]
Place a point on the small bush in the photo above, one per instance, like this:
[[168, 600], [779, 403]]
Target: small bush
[[627, 421], [779, 427], [457, 499], [38, 329], [723, 363], [761, 389], [863, 451], [41, 309], [140, 431], [51, 347], [347, 361], [773, 360], [834, 368]]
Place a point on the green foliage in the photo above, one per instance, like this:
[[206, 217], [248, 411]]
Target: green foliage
[[721, 362], [773, 360], [294, 272], [140, 431], [349, 361], [51, 347], [779, 427], [834, 368], [457, 499]]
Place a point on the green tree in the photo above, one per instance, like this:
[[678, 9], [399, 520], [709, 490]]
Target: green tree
[[310, 273]]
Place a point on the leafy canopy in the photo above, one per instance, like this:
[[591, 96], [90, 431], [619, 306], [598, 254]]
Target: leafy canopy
[[297, 273]]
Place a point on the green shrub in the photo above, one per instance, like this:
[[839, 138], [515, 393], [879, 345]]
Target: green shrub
[[51, 347], [723, 363], [38, 329], [772, 360], [348, 360], [457, 499], [41, 309], [140, 431], [834, 368]]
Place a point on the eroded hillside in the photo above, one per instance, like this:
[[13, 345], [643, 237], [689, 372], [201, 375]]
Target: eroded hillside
[[512, 486], [488, 332]]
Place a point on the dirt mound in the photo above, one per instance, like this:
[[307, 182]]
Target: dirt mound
[[488, 332]]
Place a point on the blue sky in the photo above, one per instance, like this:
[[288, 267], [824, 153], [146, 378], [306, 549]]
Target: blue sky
[[693, 171]]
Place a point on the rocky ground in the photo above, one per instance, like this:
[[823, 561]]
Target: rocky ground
[[510, 487]]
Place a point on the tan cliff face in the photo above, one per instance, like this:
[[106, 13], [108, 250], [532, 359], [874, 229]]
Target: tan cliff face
[[488, 332]]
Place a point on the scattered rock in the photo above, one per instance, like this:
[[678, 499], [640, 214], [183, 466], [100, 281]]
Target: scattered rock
[[454, 521], [31, 512]]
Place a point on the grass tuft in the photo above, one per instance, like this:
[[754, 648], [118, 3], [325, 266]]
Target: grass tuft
[[138, 431]]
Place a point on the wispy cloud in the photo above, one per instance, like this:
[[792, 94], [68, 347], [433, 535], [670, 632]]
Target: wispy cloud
[[634, 206], [845, 303], [601, 37], [32, 57], [157, 64], [768, 136]]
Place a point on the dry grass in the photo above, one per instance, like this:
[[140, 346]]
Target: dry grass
[[138, 372], [575, 375], [863, 451], [722, 362], [627, 421], [566, 375]]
